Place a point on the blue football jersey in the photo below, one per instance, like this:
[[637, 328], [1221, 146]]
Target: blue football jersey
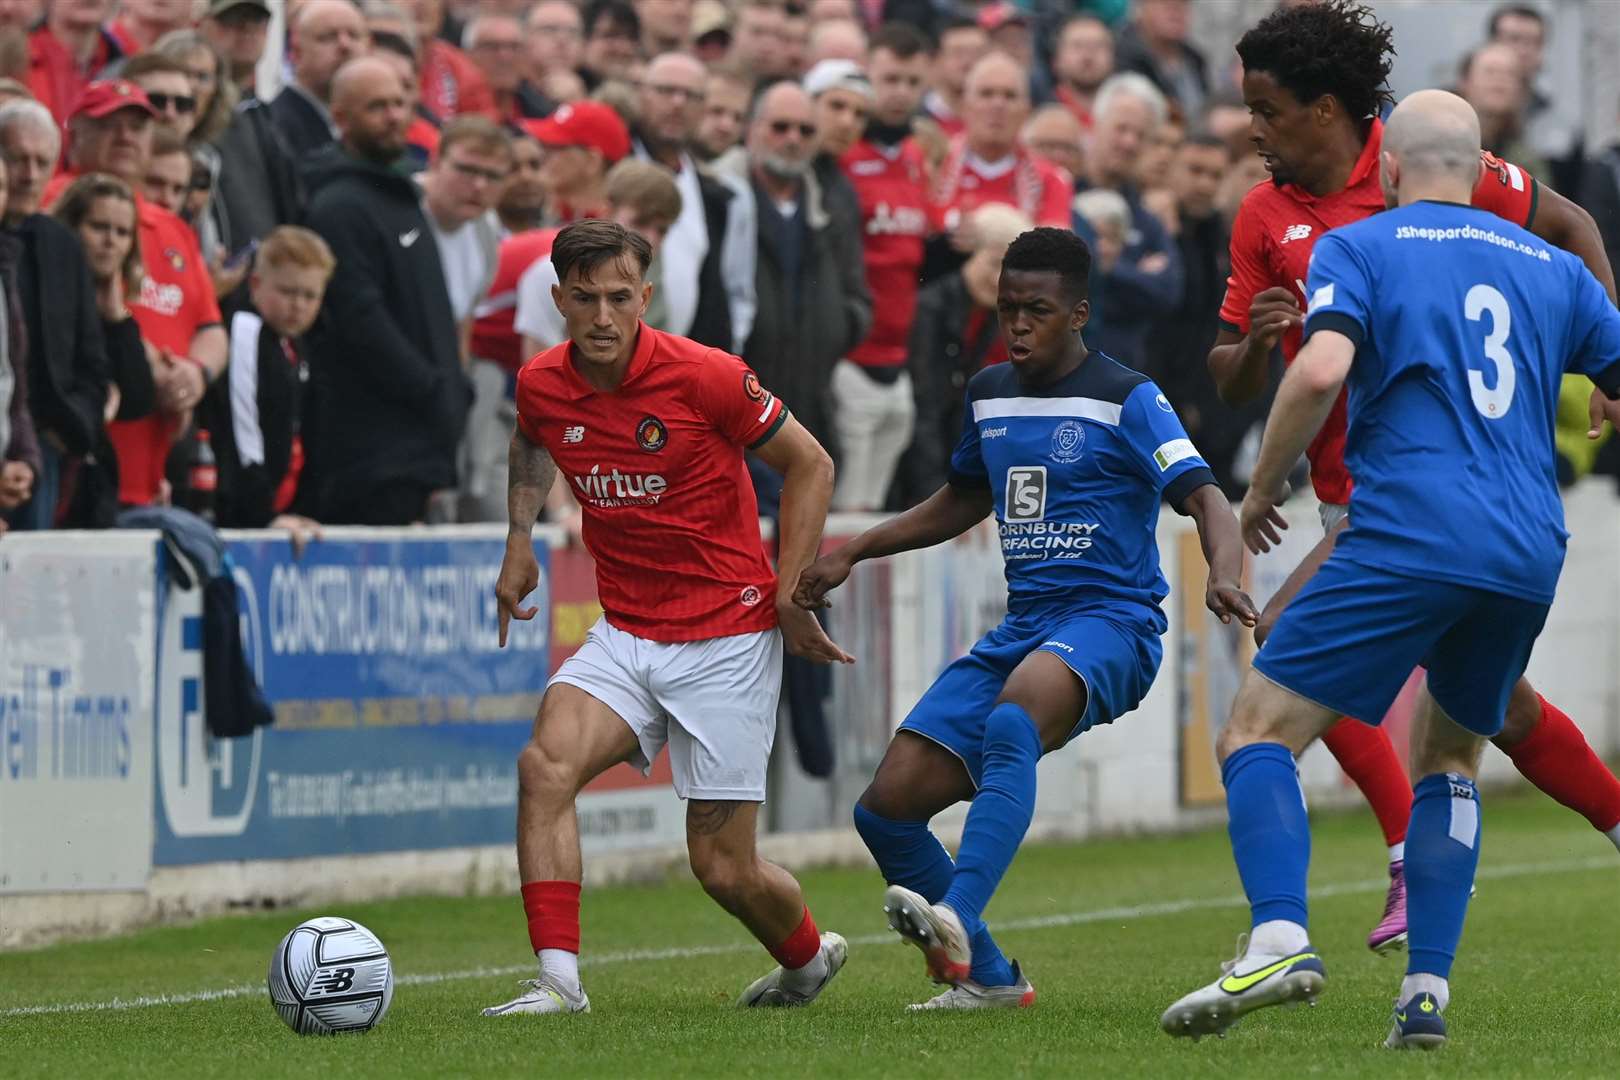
[[1077, 470], [1464, 325]]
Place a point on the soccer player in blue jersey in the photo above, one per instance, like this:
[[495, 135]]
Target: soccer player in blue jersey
[[1453, 329], [1073, 452]]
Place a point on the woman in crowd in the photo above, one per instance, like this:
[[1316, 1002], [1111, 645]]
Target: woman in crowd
[[953, 335], [100, 211]]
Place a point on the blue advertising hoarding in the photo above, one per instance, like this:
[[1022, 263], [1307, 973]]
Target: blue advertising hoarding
[[398, 717]]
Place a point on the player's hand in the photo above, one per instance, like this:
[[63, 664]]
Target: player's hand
[[300, 531], [520, 576], [1260, 520], [1230, 602], [1599, 409], [16, 484], [803, 636], [820, 578], [1271, 314]]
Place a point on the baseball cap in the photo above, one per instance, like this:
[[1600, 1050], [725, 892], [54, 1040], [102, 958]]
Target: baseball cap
[[216, 8], [836, 75], [993, 17], [107, 96], [710, 17], [590, 124]]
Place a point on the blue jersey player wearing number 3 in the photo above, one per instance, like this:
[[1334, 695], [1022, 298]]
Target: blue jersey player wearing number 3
[[1452, 329], [1073, 452]]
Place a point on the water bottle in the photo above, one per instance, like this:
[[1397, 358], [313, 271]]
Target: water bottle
[[202, 478]]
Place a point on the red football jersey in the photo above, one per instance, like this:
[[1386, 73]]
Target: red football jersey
[[657, 468], [1277, 227], [1043, 191], [890, 182], [493, 335]]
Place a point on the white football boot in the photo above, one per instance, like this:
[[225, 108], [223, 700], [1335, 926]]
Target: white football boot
[[933, 928], [543, 995], [769, 991], [1248, 982], [970, 995]]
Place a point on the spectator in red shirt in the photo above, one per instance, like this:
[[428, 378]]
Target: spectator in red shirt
[[65, 52], [986, 164], [495, 44], [961, 45], [111, 132], [450, 83], [1083, 59], [142, 22]]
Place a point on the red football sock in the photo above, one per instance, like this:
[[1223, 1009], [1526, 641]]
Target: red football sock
[[1557, 759], [1368, 757], [801, 946], [553, 911]]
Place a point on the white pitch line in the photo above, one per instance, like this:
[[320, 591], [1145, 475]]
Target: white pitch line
[[631, 956]]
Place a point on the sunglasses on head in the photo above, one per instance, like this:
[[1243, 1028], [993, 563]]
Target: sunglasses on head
[[183, 103], [783, 127]]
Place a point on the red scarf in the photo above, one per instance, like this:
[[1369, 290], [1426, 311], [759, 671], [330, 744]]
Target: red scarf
[[1027, 184]]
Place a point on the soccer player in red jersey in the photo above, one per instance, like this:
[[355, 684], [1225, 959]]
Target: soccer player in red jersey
[[1314, 79], [648, 430]]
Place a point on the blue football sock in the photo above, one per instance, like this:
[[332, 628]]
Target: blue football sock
[[1271, 837], [907, 853], [996, 824], [1442, 853]]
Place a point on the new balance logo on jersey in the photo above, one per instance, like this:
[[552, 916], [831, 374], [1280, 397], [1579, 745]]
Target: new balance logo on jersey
[[897, 221], [1296, 232], [620, 489], [1026, 493], [575, 434]]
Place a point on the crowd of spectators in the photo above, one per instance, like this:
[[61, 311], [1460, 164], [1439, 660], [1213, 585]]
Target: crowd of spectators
[[331, 286]]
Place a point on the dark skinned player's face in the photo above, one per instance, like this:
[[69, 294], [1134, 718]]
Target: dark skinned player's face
[[1040, 320], [1286, 131]]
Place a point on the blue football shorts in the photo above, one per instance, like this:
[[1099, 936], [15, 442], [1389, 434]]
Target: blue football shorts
[[1354, 633], [1114, 661]]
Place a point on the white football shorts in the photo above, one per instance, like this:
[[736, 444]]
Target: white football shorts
[[1331, 514], [713, 701]]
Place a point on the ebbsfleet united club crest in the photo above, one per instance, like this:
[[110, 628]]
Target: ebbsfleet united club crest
[[651, 434], [1067, 441]]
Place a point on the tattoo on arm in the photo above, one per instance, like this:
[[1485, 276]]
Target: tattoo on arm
[[530, 473], [706, 817]]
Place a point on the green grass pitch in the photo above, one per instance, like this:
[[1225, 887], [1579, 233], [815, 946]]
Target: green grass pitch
[[1110, 932]]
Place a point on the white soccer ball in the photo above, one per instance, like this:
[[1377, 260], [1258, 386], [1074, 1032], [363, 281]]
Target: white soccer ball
[[330, 975]]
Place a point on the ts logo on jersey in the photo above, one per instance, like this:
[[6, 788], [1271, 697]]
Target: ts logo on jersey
[[651, 434], [1026, 493]]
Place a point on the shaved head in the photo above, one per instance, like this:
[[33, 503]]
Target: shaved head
[[1431, 149]]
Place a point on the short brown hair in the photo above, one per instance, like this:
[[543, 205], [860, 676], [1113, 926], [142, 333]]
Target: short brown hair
[[152, 63], [75, 202], [645, 188], [166, 142], [587, 245], [481, 133], [293, 245]]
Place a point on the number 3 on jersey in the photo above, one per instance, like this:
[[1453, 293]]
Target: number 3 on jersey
[[1492, 403]]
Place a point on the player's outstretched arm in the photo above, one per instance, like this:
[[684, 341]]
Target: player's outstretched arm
[[948, 512], [1223, 551], [530, 473], [1241, 363], [1559, 221], [1303, 403], [807, 484]]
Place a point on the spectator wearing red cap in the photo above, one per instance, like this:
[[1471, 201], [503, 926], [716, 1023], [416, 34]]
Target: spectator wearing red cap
[[111, 132], [582, 141], [495, 43], [451, 83], [66, 50]]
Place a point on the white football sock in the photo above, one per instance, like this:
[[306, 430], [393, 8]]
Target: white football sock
[[1614, 836], [562, 966], [1277, 937], [1397, 852], [1426, 984], [805, 979]]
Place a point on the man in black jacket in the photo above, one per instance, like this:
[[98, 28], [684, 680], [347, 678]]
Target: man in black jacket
[[390, 397], [67, 358], [326, 34]]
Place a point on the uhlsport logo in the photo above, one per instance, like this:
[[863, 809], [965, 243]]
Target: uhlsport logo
[[206, 785], [1068, 441]]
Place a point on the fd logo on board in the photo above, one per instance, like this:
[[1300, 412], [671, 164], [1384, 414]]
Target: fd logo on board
[[1067, 441], [651, 434]]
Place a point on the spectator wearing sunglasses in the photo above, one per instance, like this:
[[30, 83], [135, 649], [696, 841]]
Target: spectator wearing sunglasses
[[167, 83]]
